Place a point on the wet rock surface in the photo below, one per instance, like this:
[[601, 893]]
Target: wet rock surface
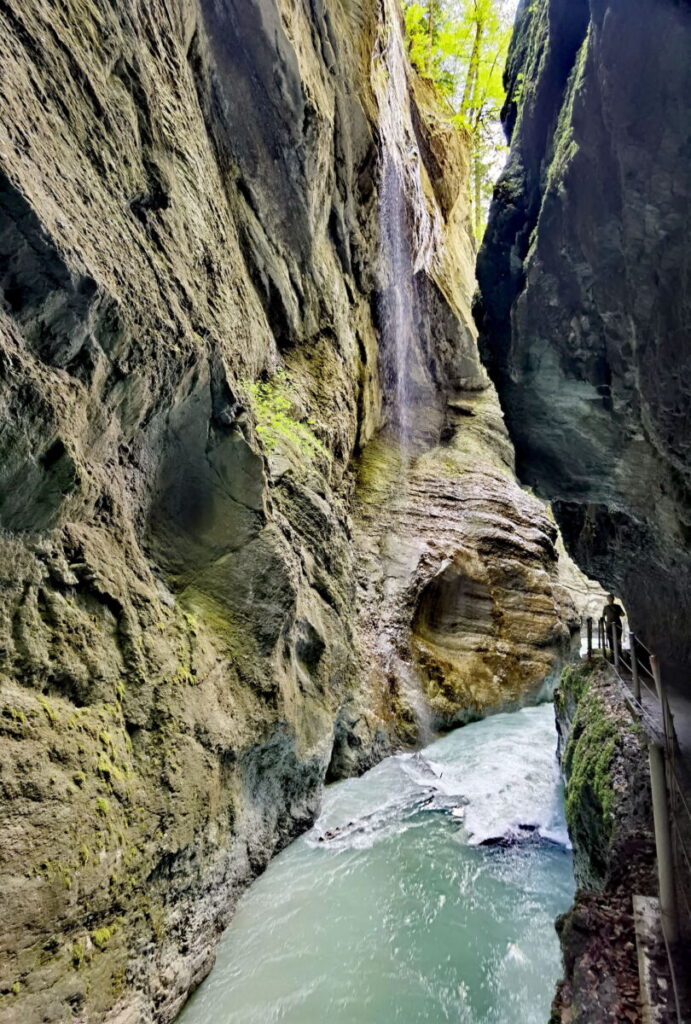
[[462, 610], [609, 815], [174, 586], [454, 547], [189, 371], [586, 291]]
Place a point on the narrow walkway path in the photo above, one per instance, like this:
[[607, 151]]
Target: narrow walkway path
[[676, 743]]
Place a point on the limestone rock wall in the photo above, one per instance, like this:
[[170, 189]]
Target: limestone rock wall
[[462, 606], [184, 200], [192, 581], [585, 284]]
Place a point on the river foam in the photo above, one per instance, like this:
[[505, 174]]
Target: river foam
[[391, 909]]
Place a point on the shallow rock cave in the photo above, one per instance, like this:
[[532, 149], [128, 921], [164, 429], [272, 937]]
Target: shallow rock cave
[[453, 609]]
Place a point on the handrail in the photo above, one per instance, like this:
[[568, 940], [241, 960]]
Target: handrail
[[645, 648], [680, 793], [646, 670], [650, 689], [653, 730], [641, 666], [683, 852], [670, 789]]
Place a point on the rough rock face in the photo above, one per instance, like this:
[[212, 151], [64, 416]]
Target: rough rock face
[[462, 609], [452, 545], [604, 758], [609, 814], [176, 639], [189, 367], [586, 293]]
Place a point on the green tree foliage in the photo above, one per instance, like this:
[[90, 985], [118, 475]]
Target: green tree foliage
[[462, 45]]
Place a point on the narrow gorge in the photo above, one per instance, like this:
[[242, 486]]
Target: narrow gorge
[[261, 525]]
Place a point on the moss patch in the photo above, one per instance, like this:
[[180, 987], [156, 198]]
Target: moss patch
[[277, 424], [588, 761], [589, 753], [378, 471], [102, 936], [605, 767], [102, 806]]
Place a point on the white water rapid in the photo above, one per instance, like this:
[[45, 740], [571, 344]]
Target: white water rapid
[[390, 911]]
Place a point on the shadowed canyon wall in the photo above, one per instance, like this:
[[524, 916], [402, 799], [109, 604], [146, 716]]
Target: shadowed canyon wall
[[217, 584], [586, 293]]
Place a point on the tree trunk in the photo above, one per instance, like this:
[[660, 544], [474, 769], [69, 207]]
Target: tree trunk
[[472, 82], [471, 115], [431, 20]]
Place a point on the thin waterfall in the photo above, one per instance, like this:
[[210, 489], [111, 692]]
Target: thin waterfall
[[397, 312], [409, 240], [409, 235]]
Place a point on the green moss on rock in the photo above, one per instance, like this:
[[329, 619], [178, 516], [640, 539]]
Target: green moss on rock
[[605, 766], [102, 806], [277, 425], [588, 761], [102, 936], [78, 954]]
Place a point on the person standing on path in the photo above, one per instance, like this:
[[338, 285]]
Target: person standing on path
[[613, 614]]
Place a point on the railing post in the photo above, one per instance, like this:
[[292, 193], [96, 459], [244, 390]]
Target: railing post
[[664, 706], [589, 626], [635, 678], [663, 843], [655, 669], [615, 646]]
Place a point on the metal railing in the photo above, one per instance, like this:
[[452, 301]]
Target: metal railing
[[639, 675]]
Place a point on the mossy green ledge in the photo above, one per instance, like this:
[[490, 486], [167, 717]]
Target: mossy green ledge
[[603, 754], [604, 759]]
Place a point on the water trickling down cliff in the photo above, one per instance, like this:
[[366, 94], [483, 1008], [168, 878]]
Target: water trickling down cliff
[[214, 587], [459, 598]]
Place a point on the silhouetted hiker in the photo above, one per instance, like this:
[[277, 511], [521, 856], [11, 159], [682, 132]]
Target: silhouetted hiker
[[613, 614]]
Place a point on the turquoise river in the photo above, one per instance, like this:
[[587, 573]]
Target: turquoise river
[[400, 905]]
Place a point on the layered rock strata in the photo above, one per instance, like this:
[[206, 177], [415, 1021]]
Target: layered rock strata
[[462, 602], [586, 291], [462, 608], [189, 370]]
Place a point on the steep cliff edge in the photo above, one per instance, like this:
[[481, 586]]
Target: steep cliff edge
[[176, 636], [586, 293], [190, 573], [462, 607]]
